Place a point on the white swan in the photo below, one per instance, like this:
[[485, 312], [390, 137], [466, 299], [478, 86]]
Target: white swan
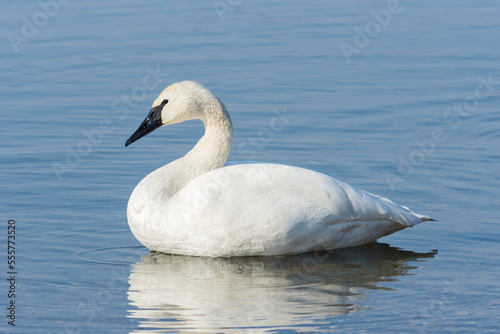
[[196, 206]]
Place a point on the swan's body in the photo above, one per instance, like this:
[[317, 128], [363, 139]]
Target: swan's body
[[195, 206]]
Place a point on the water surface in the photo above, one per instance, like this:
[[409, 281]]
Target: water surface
[[411, 115]]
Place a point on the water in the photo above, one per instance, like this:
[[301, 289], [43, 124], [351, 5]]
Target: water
[[411, 113]]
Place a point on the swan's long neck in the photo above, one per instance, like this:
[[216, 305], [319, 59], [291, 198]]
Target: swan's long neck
[[213, 148], [210, 152]]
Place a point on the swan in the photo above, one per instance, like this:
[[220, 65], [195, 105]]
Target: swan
[[197, 206]]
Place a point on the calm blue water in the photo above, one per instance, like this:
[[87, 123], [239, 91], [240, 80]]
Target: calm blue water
[[409, 110]]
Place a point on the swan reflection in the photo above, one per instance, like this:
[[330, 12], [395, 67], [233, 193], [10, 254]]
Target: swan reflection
[[172, 293]]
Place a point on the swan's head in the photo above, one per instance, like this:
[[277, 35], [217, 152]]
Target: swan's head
[[179, 102]]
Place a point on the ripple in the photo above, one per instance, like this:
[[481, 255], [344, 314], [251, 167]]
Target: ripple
[[115, 256], [79, 246]]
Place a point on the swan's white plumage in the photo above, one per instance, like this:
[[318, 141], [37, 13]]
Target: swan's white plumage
[[195, 206]]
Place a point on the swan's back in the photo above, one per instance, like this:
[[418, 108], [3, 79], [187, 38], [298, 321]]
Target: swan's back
[[268, 209]]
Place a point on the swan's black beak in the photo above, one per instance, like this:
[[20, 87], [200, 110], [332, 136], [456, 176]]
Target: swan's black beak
[[151, 123]]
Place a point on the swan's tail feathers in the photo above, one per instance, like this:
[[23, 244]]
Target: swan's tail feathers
[[425, 218], [403, 214], [411, 218]]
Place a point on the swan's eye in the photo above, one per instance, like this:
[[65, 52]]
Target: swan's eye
[[164, 102]]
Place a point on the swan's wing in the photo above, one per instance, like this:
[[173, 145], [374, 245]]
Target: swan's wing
[[265, 209], [271, 192]]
